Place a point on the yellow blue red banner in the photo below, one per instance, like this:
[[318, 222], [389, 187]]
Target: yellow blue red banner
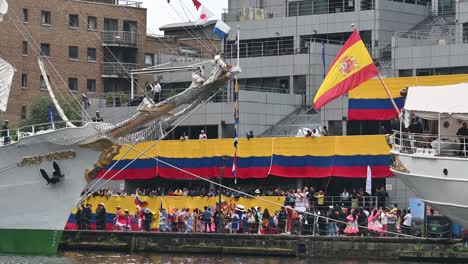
[[296, 157], [369, 100]]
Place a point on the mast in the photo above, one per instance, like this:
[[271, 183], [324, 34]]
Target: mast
[[51, 93]]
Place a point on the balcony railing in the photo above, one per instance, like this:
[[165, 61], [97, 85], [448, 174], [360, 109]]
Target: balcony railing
[[118, 69], [128, 3], [120, 38]]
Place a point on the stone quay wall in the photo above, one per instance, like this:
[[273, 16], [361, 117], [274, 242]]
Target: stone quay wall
[[267, 245]]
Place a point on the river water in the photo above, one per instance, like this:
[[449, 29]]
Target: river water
[[116, 258]]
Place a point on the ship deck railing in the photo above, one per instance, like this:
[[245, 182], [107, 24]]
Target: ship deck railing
[[428, 144], [16, 134]]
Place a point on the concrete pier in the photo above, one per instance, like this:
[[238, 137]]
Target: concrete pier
[[266, 245]]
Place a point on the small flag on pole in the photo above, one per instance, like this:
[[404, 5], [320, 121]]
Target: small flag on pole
[[221, 29], [352, 66], [369, 180], [196, 4], [204, 15]]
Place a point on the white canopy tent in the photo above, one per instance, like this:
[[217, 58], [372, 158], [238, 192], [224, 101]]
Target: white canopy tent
[[435, 102]]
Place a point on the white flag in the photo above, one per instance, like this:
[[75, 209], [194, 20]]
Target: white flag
[[369, 180], [204, 15]]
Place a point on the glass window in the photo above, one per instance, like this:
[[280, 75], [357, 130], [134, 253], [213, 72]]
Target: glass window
[[149, 59], [73, 84], [91, 85], [43, 85], [73, 52], [73, 21], [91, 54], [24, 80], [25, 15], [23, 112], [92, 23], [45, 18], [110, 24], [45, 49], [24, 48]]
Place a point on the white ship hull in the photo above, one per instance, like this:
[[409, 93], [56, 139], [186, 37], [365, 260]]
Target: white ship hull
[[34, 213], [442, 182]]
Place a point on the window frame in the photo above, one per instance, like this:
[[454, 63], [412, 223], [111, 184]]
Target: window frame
[[46, 14], [152, 59], [25, 15], [72, 25], [76, 82], [70, 49], [24, 48], [24, 80], [88, 81], [45, 54], [94, 59], [96, 23]]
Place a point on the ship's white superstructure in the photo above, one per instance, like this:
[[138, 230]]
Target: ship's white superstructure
[[430, 157]]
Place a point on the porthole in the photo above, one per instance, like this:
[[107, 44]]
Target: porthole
[[445, 172]]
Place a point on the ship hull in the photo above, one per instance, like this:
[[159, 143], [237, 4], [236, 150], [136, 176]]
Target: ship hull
[[34, 213], [441, 182]]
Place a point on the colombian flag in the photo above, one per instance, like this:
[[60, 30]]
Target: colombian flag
[[140, 201], [352, 66]]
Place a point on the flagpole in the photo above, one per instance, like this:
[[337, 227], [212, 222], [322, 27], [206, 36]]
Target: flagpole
[[238, 45], [389, 95]]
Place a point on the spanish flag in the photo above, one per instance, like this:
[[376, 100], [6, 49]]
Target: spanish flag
[[352, 66]]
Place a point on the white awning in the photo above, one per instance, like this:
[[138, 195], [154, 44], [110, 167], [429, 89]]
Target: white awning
[[429, 101]]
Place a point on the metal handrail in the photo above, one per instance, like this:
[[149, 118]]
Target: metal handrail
[[31, 130], [427, 144], [125, 38]]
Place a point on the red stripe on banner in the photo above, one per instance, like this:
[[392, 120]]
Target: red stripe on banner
[[210, 173], [258, 172], [371, 114], [318, 172], [350, 42], [129, 174], [347, 84]]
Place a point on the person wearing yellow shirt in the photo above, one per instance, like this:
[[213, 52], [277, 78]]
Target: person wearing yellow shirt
[[320, 198]]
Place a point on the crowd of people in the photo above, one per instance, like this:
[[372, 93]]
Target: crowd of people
[[305, 212]]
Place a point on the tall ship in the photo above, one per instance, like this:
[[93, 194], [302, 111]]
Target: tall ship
[[430, 149]]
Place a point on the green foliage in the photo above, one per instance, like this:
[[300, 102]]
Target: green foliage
[[123, 99], [172, 93], [38, 111], [110, 99]]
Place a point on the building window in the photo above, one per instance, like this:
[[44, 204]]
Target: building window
[[73, 52], [23, 112], [24, 48], [110, 24], [43, 85], [91, 85], [91, 54], [73, 21], [45, 18], [149, 59], [24, 15], [45, 49], [92, 23], [73, 84], [24, 80]]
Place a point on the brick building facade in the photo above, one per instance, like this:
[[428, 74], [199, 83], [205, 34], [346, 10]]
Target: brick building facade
[[91, 46]]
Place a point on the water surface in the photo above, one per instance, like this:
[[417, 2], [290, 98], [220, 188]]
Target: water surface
[[119, 258]]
